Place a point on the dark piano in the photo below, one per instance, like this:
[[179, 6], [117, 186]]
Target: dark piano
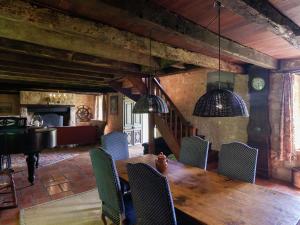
[[16, 137]]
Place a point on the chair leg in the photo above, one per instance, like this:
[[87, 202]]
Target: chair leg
[[37, 160], [1, 163], [14, 202], [104, 219]]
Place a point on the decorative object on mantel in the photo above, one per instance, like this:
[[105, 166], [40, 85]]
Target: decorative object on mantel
[[83, 113], [56, 98], [161, 163], [36, 121], [46, 98], [220, 102], [150, 103]]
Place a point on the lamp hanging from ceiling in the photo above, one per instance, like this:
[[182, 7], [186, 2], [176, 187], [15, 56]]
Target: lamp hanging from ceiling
[[220, 102], [150, 103]]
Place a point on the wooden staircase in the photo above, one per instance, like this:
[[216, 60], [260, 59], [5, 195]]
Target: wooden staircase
[[172, 126]]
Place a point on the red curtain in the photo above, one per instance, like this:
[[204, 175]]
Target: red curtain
[[287, 149]]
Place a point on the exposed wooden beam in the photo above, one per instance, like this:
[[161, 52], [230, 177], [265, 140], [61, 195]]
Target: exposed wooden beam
[[175, 71], [21, 21], [11, 85], [128, 14], [25, 76], [71, 67], [55, 79], [39, 28], [21, 60], [87, 61], [265, 14], [42, 69], [289, 65]]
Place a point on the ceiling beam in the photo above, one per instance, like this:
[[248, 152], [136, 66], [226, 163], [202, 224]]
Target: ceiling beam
[[21, 21], [129, 14], [16, 86], [265, 14], [41, 28], [19, 74], [44, 69], [289, 65], [4, 75], [21, 60], [86, 62]]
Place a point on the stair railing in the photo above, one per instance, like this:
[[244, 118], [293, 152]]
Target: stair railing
[[179, 126]]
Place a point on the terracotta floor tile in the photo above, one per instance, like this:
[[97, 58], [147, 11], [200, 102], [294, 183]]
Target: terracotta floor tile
[[54, 189], [53, 183], [65, 186], [61, 195]]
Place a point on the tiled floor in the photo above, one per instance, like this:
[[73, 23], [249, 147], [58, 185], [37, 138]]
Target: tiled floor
[[75, 175]]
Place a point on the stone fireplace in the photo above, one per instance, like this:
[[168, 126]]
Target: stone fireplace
[[52, 116], [55, 114]]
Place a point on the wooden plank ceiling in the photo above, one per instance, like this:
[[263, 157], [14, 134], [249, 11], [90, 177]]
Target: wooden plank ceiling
[[85, 45]]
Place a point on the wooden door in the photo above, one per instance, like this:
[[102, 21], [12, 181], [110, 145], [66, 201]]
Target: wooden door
[[132, 123]]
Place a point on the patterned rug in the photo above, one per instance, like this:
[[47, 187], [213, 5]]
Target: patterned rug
[[47, 157], [80, 209]]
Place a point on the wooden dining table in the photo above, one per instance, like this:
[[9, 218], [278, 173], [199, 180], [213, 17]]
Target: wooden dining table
[[213, 199]]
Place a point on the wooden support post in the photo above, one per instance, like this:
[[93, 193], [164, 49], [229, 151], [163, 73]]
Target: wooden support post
[[151, 133]]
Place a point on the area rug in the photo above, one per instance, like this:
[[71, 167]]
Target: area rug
[[47, 157], [80, 209]]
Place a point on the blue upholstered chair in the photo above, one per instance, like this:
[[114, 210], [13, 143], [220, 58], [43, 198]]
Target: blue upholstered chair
[[116, 144], [151, 196], [238, 161], [194, 151], [116, 206]]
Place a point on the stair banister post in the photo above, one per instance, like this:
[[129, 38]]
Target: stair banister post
[[151, 123]]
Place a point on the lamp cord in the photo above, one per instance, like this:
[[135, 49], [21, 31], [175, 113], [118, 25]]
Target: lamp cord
[[219, 33], [150, 55]]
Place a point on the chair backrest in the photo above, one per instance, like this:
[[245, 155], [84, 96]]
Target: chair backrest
[[238, 161], [194, 151], [108, 184], [116, 144], [151, 195]]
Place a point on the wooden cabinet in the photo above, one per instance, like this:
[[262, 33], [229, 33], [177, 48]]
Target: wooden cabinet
[[132, 123]]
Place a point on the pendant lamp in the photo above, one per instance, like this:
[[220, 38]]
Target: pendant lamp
[[150, 103], [220, 102]]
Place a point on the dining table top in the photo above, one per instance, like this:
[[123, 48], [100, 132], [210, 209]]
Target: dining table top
[[213, 199]]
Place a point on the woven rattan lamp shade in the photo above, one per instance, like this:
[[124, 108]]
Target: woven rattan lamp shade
[[150, 104], [220, 103]]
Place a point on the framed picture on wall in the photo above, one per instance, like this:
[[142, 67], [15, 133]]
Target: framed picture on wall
[[226, 81], [6, 108], [113, 104]]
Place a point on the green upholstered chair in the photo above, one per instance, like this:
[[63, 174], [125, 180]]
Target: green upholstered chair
[[116, 206], [193, 152], [238, 161], [151, 195], [116, 144]]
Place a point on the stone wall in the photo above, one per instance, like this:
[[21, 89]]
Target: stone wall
[[185, 89], [10, 104], [86, 100]]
